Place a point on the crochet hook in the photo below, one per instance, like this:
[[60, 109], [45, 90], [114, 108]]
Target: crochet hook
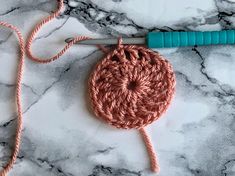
[[171, 39]]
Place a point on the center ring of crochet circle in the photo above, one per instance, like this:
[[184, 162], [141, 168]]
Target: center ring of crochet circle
[[131, 87]]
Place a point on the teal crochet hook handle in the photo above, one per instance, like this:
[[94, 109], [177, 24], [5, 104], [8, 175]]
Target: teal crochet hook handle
[[179, 39]]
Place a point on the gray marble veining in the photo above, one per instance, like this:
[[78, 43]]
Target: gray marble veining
[[61, 137]]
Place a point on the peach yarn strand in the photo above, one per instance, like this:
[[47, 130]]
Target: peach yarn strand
[[10, 164], [152, 155], [36, 30]]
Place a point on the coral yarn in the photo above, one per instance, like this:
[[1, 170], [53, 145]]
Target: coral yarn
[[19, 127], [131, 87]]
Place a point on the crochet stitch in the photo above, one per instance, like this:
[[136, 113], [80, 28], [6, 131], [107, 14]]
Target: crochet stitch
[[131, 87]]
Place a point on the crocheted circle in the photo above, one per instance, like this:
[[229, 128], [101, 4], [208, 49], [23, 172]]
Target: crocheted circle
[[131, 87]]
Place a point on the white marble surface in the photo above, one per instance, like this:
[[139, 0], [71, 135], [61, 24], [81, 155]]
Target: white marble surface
[[61, 137]]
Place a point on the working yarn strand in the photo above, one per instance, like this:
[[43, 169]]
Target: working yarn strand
[[18, 99], [36, 30], [27, 48]]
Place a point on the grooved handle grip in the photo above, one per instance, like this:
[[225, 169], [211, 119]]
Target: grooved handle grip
[[179, 39]]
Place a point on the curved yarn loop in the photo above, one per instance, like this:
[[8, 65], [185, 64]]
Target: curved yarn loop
[[36, 30], [18, 99]]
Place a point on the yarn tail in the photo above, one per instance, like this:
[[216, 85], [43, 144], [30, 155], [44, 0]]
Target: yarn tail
[[152, 155]]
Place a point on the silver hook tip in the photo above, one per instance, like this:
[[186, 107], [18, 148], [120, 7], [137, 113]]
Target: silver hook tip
[[68, 40]]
